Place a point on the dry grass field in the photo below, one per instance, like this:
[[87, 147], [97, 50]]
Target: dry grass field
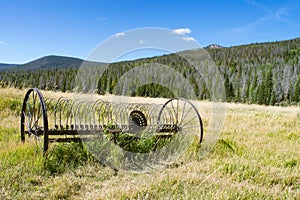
[[257, 156]]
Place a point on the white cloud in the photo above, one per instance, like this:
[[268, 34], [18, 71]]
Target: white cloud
[[101, 19], [3, 43], [181, 31], [188, 39], [141, 41], [119, 34]]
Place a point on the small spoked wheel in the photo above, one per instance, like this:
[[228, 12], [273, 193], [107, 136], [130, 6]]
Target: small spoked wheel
[[137, 121], [34, 122], [183, 116]]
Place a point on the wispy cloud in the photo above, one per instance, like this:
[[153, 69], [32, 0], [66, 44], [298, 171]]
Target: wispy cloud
[[3, 43], [181, 31], [258, 5], [141, 41], [280, 14], [101, 19], [119, 34]]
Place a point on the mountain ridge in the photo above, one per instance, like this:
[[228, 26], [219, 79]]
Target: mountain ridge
[[65, 62], [49, 62], [261, 73], [214, 46], [7, 65]]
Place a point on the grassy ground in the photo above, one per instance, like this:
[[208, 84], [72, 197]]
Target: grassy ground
[[257, 156]]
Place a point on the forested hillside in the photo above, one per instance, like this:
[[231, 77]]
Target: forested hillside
[[48, 63], [263, 73], [7, 66]]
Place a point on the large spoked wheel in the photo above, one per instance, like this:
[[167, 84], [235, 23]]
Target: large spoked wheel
[[34, 121], [183, 116]]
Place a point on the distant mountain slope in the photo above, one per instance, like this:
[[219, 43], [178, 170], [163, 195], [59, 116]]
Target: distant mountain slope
[[49, 62], [7, 66], [262, 73]]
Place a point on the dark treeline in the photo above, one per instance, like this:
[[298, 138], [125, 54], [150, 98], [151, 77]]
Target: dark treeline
[[263, 73]]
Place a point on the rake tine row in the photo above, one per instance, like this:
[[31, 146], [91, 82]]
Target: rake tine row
[[80, 115], [67, 117]]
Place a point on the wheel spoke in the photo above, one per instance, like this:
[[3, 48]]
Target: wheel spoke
[[185, 115], [173, 106], [183, 109], [177, 120], [190, 120], [190, 127], [26, 121], [36, 137], [33, 107], [33, 118], [36, 121], [29, 116], [39, 114]]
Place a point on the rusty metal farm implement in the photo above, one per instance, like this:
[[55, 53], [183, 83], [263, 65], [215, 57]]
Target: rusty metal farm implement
[[65, 120]]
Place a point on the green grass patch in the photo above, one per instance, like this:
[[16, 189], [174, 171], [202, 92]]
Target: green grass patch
[[66, 156], [256, 157]]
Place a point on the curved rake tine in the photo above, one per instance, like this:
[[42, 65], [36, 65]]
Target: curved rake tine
[[136, 121]]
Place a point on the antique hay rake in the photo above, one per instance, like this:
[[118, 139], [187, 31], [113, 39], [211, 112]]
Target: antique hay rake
[[122, 123]]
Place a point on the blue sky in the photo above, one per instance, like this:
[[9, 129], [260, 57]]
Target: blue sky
[[31, 29]]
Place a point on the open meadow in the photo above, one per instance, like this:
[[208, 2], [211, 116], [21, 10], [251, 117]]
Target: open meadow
[[257, 156]]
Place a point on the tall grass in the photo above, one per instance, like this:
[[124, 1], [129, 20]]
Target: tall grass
[[256, 157]]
